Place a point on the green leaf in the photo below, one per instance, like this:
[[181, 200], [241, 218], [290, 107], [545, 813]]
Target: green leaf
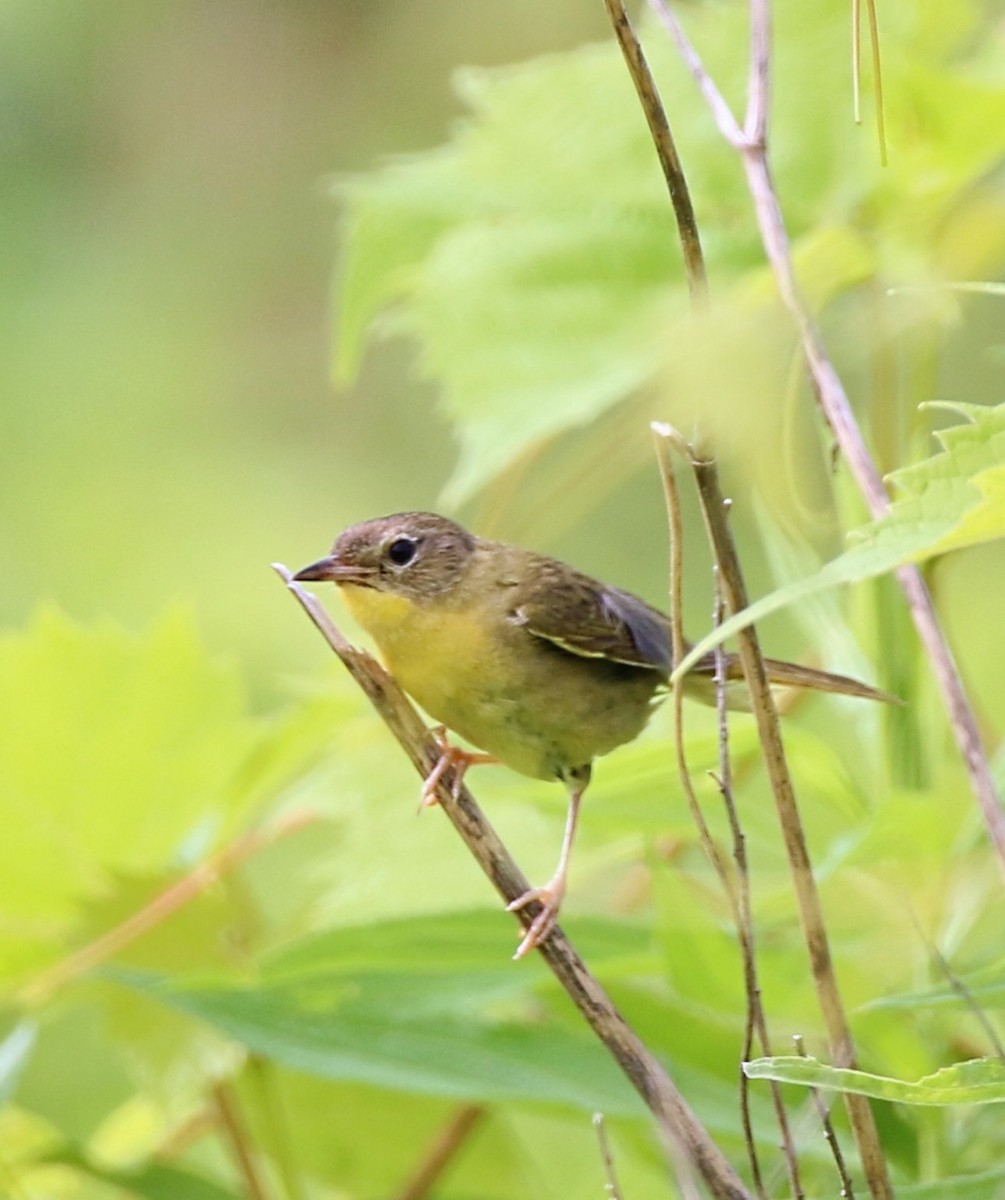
[[534, 255], [980, 1081], [468, 943], [403, 1032], [121, 754], [952, 500], [432, 1005]]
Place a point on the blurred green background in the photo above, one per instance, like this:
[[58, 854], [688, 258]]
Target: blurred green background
[[170, 239], [172, 235]]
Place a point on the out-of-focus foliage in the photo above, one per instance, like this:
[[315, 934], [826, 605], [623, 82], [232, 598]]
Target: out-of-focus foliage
[[226, 944], [538, 270], [954, 500]]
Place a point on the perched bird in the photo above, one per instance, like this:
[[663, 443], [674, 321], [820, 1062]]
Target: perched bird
[[538, 665]]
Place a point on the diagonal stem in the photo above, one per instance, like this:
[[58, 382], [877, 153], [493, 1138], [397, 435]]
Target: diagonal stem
[[810, 909]]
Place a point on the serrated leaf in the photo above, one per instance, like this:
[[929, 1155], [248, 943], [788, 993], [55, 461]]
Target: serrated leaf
[[534, 255], [979, 1081], [952, 500], [121, 754]]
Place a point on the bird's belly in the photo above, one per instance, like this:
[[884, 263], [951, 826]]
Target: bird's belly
[[535, 707]]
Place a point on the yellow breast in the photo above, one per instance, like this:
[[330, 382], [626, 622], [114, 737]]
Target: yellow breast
[[534, 708], [439, 655]]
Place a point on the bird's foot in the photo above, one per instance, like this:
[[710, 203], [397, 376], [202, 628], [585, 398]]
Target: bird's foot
[[550, 898], [451, 758]]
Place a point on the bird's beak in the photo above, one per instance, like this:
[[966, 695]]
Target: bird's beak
[[331, 568]]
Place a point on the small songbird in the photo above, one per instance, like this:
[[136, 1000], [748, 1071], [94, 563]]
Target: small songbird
[[540, 666]]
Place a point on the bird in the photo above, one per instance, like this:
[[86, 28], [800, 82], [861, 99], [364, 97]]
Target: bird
[[538, 665]]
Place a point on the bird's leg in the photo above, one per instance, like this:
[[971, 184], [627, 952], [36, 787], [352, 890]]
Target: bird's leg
[[550, 896], [450, 757]]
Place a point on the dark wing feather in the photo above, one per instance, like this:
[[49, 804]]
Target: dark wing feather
[[587, 618]]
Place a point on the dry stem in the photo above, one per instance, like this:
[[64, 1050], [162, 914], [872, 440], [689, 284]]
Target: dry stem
[[445, 1147], [772, 749], [738, 892]]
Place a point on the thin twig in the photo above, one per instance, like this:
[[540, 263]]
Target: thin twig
[[756, 1018], [236, 1134], [723, 114], [738, 892], [745, 931], [611, 1186], [666, 149], [261, 1076], [674, 1116], [445, 1147], [773, 751], [755, 126], [877, 77], [830, 1136], [664, 435], [967, 996]]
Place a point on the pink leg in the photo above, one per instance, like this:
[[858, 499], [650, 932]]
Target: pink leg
[[553, 892], [451, 757]]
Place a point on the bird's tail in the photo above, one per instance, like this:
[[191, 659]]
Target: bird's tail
[[700, 684], [787, 674]]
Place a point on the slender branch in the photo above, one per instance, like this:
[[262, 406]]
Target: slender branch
[[967, 996], [773, 751], [607, 1158], [666, 149], [877, 75], [445, 1147], [755, 127], [647, 1075], [664, 435], [723, 114], [830, 1137], [236, 1134], [745, 925], [738, 892], [755, 1019], [261, 1077]]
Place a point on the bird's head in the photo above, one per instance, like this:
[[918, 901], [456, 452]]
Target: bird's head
[[416, 555]]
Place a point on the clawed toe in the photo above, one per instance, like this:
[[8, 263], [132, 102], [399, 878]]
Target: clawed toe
[[451, 757], [550, 899]]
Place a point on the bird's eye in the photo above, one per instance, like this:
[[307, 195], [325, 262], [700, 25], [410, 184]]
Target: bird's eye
[[401, 551]]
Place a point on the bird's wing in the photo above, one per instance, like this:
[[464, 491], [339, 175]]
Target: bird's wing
[[585, 617]]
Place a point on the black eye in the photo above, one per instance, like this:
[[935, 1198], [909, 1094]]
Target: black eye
[[401, 551]]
